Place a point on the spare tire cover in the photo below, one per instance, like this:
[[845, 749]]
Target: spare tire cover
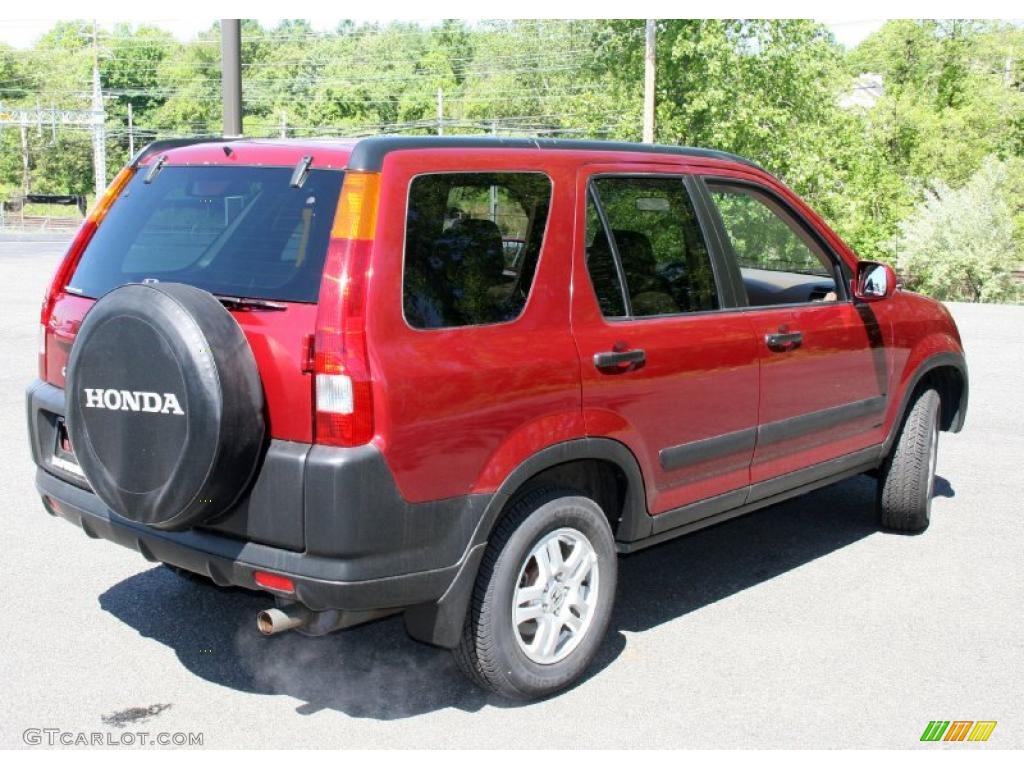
[[164, 404]]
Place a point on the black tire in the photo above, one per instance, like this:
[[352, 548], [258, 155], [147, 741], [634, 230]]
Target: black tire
[[906, 480], [490, 653]]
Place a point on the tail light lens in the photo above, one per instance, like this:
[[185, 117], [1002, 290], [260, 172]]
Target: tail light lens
[[67, 266], [344, 392]]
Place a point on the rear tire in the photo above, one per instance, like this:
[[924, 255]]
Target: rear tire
[[906, 481], [543, 598]]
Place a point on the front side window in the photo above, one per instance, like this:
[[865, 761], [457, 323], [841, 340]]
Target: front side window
[[472, 243], [781, 262], [653, 242]]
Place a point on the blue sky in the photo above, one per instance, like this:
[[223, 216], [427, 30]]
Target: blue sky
[[21, 33]]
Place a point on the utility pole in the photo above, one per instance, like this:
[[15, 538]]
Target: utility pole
[[649, 69], [284, 125], [24, 159], [494, 189], [99, 121], [131, 132], [231, 75], [440, 112]]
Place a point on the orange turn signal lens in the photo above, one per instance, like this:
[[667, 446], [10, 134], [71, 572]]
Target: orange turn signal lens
[[103, 203], [356, 217]]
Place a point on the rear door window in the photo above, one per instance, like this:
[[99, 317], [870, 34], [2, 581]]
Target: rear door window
[[231, 231], [653, 242], [472, 242]]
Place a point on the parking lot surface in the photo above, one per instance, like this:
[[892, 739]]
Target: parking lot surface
[[800, 625]]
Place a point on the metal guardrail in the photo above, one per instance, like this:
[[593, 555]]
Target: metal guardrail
[[16, 223]]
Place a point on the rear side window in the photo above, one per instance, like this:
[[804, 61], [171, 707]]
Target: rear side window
[[231, 231], [472, 242], [654, 242]]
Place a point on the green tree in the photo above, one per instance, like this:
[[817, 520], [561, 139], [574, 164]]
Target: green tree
[[959, 243]]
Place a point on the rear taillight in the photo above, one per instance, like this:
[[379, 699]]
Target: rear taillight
[[344, 393], [67, 267]]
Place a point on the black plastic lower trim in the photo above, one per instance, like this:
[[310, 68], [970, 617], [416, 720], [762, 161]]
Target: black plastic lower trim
[[939, 360], [718, 509], [320, 583], [332, 503]]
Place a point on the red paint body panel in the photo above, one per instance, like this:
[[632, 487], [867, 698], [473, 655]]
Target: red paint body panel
[[326, 154], [456, 410], [699, 379], [841, 360], [279, 343]]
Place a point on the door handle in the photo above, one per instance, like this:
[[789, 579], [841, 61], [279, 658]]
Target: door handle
[[784, 341], [626, 360]]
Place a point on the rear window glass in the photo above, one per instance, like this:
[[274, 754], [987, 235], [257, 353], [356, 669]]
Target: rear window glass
[[472, 242], [231, 231]]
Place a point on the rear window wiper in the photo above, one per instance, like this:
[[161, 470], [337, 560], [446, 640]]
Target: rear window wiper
[[155, 169], [244, 304]]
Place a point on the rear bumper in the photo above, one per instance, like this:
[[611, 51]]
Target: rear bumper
[[230, 562], [331, 519]]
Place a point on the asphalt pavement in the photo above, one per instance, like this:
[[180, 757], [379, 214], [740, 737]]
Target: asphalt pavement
[[801, 625]]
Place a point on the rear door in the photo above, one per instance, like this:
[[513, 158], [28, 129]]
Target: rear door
[[667, 368], [240, 231], [824, 367]]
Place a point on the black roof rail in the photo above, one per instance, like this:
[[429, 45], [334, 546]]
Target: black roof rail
[[162, 145], [368, 154]]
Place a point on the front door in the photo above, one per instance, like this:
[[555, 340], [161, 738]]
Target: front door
[[665, 368], [824, 368]]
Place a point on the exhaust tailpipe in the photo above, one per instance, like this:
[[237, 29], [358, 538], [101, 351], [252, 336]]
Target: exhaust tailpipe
[[274, 620], [314, 623]]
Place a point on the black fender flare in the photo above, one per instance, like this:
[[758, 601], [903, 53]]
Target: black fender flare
[[929, 364], [441, 623]]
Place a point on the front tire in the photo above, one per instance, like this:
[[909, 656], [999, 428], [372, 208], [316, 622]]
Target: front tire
[[906, 480], [543, 598]]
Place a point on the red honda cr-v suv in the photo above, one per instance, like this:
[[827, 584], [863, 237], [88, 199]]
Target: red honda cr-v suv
[[320, 369]]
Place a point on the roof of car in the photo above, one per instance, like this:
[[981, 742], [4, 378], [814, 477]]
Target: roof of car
[[367, 154]]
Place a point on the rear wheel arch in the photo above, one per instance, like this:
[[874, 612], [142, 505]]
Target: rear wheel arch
[[600, 468], [593, 467]]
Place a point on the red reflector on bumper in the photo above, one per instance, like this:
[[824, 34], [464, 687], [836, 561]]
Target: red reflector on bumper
[[274, 581]]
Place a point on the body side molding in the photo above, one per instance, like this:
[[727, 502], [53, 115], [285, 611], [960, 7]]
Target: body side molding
[[678, 456], [827, 418], [718, 509]]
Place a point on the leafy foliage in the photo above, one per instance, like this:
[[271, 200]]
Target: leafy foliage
[[952, 95], [959, 243]]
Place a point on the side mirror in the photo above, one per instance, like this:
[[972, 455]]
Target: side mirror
[[873, 281]]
